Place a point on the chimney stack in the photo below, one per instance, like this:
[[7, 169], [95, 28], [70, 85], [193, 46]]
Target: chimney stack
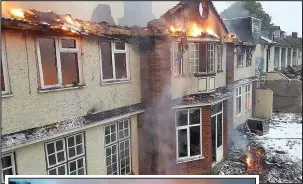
[[294, 34]]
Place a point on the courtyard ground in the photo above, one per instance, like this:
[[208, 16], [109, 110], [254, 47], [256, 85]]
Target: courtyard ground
[[282, 161]]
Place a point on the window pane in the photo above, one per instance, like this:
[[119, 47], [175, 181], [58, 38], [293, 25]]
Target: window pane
[[195, 141], [219, 130], [2, 78], [60, 156], [52, 172], [6, 161], [59, 145], [216, 108], [70, 43], [202, 58], [194, 116], [182, 143], [61, 170], [81, 171], [69, 68], [48, 60], [78, 139], [120, 65], [71, 152], [52, 160], [80, 163], [106, 56], [79, 149], [181, 118], [70, 141], [119, 46], [72, 166]]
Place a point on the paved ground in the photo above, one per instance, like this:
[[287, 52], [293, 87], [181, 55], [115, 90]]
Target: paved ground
[[283, 151]]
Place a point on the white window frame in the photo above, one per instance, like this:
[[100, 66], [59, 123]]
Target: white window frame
[[13, 167], [117, 144], [220, 112], [248, 92], [194, 61], [248, 62], [4, 67], [239, 96], [113, 52], [188, 158], [210, 58], [59, 49], [243, 61], [175, 52], [67, 161], [220, 57]]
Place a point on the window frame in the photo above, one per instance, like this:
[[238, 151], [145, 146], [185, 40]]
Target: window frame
[[13, 167], [248, 94], [67, 160], [59, 50], [210, 60], [188, 158], [222, 123], [117, 144], [243, 60], [248, 61], [5, 68], [175, 49], [239, 95], [220, 49], [113, 52]]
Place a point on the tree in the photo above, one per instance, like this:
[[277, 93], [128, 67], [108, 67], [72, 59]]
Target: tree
[[248, 8]]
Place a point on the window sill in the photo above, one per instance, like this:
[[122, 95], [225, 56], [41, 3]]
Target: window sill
[[204, 74], [180, 161], [219, 71], [115, 82], [7, 95], [241, 66], [248, 66], [60, 89]]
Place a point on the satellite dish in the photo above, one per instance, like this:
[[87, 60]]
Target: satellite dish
[[201, 11]]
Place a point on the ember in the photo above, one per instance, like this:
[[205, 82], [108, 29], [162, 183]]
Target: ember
[[254, 160]]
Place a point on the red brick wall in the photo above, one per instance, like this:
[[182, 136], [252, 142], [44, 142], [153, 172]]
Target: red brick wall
[[229, 63]]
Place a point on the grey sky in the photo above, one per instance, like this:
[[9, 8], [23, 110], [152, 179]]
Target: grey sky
[[287, 14]]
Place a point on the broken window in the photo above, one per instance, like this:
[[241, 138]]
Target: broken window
[[59, 62], [240, 52], [4, 72], [114, 61], [202, 57], [189, 139], [248, 97], [217, 118], [177, 58], [66, 156], [248, 52], [8, 166], [220, 57], [238, 100], [118, 148]]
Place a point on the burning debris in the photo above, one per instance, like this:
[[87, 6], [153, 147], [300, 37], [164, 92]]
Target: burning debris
[[193, 31], [254, 160]]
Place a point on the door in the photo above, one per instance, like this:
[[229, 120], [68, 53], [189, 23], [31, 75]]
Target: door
[[217, 133]]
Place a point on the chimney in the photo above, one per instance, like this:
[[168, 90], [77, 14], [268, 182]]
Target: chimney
[[294, 34], [256, 28]]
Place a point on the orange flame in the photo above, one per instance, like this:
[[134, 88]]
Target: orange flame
[[18, 13], [172, 29], [195, 31], [248, 160]]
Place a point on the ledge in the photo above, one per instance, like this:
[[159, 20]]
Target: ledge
[[7, 95], [205, 74], [109, 82], [180, 161], [220, 71], [60, 89]]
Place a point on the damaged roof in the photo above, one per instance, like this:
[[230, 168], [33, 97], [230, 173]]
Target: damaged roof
[[50, 21], [290, 41], [241, 27], [159, 24]]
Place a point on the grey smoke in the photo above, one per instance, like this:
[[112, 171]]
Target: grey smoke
[[103, 13], [235, 10]]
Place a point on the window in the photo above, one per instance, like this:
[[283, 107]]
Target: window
[[217, 119], [248, 52], [66, 156], [177, 58], [188, 131], [202, 57], [4, 72], [241, 57], [59, 62], [7, 165], [220, 57], [114, 59], [248, 97], [238, 100], [118, 148]]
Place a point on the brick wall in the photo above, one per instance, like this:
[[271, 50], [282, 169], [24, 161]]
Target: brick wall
[[230, 63]]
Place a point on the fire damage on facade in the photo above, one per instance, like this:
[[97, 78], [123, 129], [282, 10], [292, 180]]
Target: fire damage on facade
[[165, 99]]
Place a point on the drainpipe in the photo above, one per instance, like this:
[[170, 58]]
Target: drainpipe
[[267, 58]]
